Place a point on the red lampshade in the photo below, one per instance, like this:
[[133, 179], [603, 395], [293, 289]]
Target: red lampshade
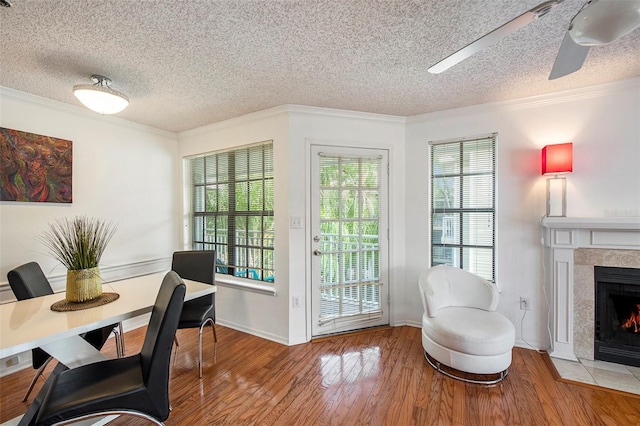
[[557, 158]]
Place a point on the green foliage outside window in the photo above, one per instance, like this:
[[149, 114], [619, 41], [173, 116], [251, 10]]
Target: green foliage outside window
[[232, 203]]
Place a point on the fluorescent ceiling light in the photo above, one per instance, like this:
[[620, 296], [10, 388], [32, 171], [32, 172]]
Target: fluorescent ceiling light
[[99, 97]]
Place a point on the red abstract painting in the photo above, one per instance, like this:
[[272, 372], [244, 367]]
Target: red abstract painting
[[34, 167]]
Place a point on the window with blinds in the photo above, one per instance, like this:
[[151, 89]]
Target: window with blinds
[[462, 225], [232, 208]]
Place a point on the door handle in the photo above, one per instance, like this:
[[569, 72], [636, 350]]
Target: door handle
[[317, 252]]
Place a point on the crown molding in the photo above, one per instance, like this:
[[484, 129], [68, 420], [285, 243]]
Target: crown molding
[[288, 110], [28, 98], [308, 111], [573, 95], [236, 121], [537, 101]]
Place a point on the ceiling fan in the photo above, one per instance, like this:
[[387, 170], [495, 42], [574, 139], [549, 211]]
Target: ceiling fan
[[598, 22]]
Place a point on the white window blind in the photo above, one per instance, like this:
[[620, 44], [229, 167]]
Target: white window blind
[[350, 233], [463, 204], [232, 208]]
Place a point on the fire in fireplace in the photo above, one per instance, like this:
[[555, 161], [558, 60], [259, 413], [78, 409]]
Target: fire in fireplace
[[633, 322], [617, 315]]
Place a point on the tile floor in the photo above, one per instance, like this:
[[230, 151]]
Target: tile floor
[[600, 373]]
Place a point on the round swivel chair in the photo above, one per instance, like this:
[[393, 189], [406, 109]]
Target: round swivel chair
[[460, 328]]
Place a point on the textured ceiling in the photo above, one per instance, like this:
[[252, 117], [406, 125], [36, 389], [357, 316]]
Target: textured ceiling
[[194, 62]]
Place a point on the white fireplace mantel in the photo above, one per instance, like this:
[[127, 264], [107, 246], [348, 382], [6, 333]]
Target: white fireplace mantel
[[561, 237]]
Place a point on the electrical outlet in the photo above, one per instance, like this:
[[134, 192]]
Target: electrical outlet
[[525, 304], [12, 361]]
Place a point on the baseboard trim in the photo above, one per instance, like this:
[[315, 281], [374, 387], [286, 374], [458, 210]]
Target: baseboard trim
[[259, 333], [367, 330]]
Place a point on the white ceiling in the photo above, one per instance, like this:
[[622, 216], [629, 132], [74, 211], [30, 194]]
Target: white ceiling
[[194, 62]]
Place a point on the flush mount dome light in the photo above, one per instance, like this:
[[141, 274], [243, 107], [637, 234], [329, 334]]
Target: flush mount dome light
[[601, 22], [99, 97]]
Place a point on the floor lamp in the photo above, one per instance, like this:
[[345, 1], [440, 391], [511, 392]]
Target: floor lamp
[[556, 160]]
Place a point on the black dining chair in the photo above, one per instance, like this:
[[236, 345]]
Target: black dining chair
[[136, 385], [197, 265], [28, 281]]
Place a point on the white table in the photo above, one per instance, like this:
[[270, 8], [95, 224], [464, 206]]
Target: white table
[[31, 323]]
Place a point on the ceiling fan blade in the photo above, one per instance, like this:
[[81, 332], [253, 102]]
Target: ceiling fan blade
[[494, 36], [570, 58]]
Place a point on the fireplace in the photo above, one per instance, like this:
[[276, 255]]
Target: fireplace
[[617, 315], [605, 241]]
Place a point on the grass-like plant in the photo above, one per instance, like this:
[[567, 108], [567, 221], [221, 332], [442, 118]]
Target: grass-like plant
[[78, 243]]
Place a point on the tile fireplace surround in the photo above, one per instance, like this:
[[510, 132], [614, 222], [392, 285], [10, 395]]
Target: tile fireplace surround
[[573, 246]]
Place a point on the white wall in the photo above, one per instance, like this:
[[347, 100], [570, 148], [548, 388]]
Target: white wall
[[348, 129], [603, 124], [259, 313], [132, 174], [292, 128], [122, 171]]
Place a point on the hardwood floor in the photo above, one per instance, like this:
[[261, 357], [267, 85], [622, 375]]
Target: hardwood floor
[[374, 378]]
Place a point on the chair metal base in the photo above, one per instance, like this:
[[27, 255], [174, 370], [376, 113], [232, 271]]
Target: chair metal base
[[35, 379], [215, 341], [437, 365], [112, 413], [118, 333]]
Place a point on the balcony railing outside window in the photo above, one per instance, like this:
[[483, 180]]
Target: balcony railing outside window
[[361, 258], [232, 207], [253, 260]]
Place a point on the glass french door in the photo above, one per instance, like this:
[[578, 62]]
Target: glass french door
[[349, 241]]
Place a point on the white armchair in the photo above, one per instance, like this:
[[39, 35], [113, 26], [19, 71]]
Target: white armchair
[[460, 327]]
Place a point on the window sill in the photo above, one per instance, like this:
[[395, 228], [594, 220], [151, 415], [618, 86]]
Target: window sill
[[244, 284]]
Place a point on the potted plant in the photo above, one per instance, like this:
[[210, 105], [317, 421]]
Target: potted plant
[[78, 244]]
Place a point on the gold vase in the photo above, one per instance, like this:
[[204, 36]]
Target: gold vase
[[83, 284]]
